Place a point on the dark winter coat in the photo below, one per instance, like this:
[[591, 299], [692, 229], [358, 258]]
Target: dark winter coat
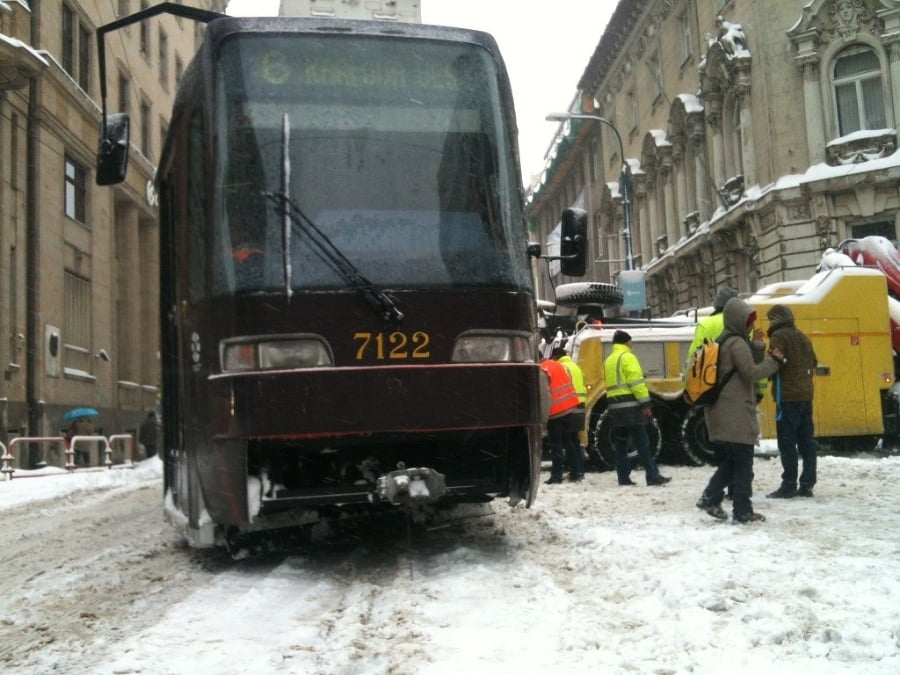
[[797, 374], [732, 418]]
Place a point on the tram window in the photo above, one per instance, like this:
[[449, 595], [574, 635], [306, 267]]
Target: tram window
[[391, 159], [197, 209]]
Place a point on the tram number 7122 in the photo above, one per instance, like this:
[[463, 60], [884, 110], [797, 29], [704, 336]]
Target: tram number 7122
[[395, 346]]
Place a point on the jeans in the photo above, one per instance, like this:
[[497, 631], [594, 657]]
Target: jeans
[[795, 440], [638, 435], [735, 470]]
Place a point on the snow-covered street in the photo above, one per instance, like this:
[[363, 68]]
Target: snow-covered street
[[593, 579]]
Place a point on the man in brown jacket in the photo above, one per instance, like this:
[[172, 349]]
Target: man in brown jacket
[[731, 420], [792, 389]]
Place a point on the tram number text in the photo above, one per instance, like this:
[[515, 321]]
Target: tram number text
[[394, 346]]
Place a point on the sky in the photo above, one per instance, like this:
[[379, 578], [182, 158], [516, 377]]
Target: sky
[[546, 47], [593, 578]]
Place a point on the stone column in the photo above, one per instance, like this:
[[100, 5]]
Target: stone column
[[681, 204], [149, 280], [669, 210], [814, 112], [745, 133], [639, 186], [714, 119], [894, 54], [129, 335]]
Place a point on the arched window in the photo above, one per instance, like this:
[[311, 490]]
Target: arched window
[[857, 90]]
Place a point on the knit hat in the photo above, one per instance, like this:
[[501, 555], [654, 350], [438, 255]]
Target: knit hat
[[620, 337], [724, 295]]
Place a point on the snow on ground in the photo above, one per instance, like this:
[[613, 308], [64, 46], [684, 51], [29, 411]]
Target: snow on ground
[[593, 578]]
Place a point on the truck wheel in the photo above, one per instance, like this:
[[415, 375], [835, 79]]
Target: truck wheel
[[588, 293], [601, 442], [695, 439], [849, 445]]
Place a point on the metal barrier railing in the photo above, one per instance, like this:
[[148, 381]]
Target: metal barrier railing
[[129, 443], [9, 458]]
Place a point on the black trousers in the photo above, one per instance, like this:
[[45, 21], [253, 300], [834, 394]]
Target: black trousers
[[735, 470]]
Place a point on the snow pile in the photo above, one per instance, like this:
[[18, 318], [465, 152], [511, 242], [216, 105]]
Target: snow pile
[[593, 579]]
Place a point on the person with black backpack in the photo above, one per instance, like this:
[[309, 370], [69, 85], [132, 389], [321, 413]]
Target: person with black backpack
[[731, 420]]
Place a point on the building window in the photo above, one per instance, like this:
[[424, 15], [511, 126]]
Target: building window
[[76, 47], [684, 26], [145, 128], [632, 103], [163, 58], [77, 324], [858, 95], [656, 87], [84, 57], [68, 40], [163, 132], [124, 92], [76, 190], [145, 32], [884, 229]]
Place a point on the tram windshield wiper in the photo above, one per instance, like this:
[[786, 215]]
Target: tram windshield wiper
[[319, 242], [332, 256]]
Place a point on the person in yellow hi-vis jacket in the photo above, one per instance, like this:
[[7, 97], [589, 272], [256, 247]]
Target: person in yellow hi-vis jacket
[[710, 328], [628, 403]]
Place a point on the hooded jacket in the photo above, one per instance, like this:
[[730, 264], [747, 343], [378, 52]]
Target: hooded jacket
[[732, 418], [797, 374]]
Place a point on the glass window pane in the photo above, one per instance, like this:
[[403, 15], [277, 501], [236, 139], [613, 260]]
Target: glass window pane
[[873, 103], [847, 108], [854, 64]]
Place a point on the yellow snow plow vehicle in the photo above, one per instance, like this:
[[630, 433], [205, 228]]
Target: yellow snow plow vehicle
[[846, 313], [661, 347]]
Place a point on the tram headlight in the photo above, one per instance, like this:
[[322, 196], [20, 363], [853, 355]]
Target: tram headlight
[[275, 354], [485, 347]]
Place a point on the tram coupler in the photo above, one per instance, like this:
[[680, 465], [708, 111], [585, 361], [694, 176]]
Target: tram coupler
[[414, 485]]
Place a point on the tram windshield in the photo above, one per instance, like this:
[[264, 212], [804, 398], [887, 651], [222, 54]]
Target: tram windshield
[[396, 150]]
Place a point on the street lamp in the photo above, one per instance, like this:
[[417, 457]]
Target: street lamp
[[624, 178]]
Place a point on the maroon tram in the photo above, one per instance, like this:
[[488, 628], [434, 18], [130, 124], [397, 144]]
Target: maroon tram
[[348, 314]]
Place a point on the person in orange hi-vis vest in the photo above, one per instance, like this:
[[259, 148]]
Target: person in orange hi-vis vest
[[563, 401]]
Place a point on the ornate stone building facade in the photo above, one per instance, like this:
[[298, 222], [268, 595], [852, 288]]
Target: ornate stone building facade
[[79, 263], [758, 133]]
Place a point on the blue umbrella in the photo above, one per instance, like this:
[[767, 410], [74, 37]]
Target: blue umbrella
[[75, 413]]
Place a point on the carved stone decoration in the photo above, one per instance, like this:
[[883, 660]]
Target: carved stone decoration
[[848, 18], [733, 190], [768, 220], [726, 64], [726, 240], [662, 243], [709, 275], [731, 36], [861, 148], [799, 211], [753, 255], [827, 236], [691, 222]]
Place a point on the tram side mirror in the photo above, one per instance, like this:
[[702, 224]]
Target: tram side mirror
[[112, 155], [573, 244]]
